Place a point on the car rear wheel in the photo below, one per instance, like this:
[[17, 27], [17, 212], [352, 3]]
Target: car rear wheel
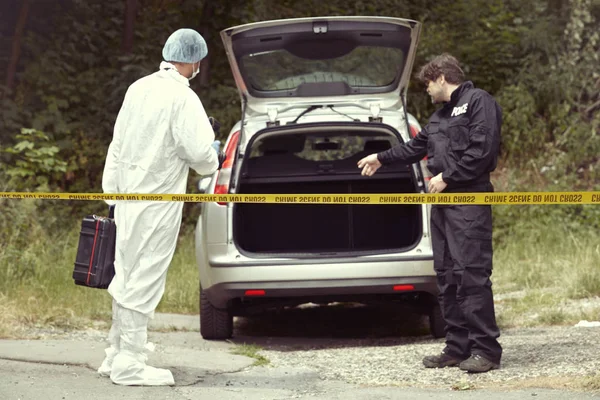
[[436, 322], [215, 324]]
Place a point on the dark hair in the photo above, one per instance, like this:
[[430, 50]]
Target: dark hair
[[444, 64]]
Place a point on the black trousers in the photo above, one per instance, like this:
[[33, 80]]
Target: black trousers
[[462, 250]]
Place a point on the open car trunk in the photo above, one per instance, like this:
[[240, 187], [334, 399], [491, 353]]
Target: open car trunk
[[322, 159], [322, 60]]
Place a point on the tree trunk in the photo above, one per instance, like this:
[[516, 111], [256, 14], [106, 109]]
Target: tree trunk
[[131, 7], [16, 45], [205, 27]]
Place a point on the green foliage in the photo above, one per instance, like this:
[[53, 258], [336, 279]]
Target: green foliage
[[16, 219], [520, 137], [35, 160]]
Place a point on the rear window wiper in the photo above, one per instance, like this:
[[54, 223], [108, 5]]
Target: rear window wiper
[[342, 114], [309, 109]]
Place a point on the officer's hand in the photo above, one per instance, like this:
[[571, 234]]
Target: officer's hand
[[216, 125], [369, 164], [437, 184]]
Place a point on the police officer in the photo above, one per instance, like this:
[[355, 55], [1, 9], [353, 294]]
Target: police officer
[[462, 142]]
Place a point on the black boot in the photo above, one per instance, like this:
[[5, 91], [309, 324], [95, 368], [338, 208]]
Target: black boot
[[477, 363], [441, 361]]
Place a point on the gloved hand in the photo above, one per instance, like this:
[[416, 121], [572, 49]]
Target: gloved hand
[[222, 156], [216, 125], [216, 145]]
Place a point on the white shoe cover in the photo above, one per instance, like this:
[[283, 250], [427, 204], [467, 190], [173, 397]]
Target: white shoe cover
[[129, 365], [106, 366], [130, 369], [113, 339]]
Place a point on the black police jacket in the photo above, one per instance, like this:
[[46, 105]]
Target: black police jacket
[[461, 140]]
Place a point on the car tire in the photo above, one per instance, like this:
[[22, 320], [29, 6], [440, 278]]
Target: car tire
[[436, 322], [215, 324]]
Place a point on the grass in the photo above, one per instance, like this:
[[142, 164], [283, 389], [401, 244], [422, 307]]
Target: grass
[[554, 271], [570, 383], [590, 383], [463, 385], [550, 257], [250, 350], [37, 289], [182, 294], [530, 311]]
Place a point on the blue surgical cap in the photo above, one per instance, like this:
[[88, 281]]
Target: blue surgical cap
[[185, 46]]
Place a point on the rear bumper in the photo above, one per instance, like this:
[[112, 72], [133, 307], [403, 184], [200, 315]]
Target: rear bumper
[[226, 273], [221, 294]]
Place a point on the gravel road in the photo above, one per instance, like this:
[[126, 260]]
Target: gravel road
[[378, 347], [362, 350], [528, 354]]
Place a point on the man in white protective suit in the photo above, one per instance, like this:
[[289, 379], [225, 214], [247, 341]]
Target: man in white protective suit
[[161, 131]]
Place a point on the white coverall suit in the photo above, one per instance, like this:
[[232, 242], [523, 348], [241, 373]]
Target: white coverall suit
[[161, 131]]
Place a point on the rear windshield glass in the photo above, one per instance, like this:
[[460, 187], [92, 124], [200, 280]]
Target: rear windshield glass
[[362, 67], [321, 147]]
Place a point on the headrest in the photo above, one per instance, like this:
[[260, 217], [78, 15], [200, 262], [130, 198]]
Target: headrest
[[283, 143], [374, 146]]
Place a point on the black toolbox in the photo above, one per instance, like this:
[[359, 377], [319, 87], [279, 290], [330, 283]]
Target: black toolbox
[[94, 263]]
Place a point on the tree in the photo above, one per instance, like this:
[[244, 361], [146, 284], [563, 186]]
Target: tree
[[131, 8], [16, 44]]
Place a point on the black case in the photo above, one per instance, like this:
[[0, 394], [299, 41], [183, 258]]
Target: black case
[[94, 263]]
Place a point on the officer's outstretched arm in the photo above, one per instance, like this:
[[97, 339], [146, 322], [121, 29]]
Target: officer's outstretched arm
[[410, 152]]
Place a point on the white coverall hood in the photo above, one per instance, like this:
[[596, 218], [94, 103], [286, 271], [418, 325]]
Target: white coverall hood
[[161, 131]]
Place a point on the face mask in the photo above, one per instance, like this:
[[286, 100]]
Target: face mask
[[195, 72]]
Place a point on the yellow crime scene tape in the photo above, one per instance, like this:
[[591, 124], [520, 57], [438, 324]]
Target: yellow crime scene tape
[[334, 198]]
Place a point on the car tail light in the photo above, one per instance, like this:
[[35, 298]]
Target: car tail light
[[224, 174], [413, 130], [403, 288], [254, 293]]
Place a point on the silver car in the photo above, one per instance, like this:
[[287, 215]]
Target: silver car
[[318, 94]]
